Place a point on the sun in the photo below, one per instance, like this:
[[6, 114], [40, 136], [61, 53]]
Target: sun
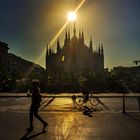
[[72, 16]]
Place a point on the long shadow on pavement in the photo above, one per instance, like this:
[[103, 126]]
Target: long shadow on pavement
[[26, 137], [87, 111], [45, 104], [133, 117]]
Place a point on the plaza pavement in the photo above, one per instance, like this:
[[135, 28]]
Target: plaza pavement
[[67, 124], [72, 126]]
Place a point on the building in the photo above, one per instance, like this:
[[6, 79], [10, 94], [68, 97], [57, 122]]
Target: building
[[133, 72], [3, 55], [75, 56], [15, 64]]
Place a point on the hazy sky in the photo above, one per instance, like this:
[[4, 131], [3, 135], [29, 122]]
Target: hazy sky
[[28, 25]]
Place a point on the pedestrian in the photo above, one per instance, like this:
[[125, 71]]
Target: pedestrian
[[35, 104]]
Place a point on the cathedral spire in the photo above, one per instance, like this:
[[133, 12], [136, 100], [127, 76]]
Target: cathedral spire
[[68, 34], [50, 51], [79, 34], [99, 49], [47, 50], [82, 36], [74, 30], [66, 38], [90, 45], [58, 45], [47, 55], [102, 50]]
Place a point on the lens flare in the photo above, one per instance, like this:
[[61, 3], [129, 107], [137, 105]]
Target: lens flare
[[72, 16], [42, 55]]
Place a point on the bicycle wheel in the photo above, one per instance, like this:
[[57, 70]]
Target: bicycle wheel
[[94, 101], [79, 101]]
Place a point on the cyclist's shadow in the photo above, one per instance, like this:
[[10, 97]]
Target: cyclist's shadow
[[87, 111]]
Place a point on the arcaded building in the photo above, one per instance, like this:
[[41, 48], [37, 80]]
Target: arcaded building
[[75, 56]]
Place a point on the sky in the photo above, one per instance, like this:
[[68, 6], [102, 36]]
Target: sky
[[28, 25]]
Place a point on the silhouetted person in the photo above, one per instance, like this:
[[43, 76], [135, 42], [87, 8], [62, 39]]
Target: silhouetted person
[[36, 99], [139, 103], [85, 91]]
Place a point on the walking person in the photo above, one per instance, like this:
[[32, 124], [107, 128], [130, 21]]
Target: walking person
[[35, 104]]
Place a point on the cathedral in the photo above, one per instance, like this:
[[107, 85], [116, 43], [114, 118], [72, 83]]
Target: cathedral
[[74, 56]]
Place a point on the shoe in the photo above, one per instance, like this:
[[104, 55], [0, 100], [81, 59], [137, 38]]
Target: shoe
[[43, 131], [30, 129], [45, 125]]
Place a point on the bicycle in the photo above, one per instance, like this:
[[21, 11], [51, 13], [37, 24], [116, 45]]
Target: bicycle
[[80, 100]]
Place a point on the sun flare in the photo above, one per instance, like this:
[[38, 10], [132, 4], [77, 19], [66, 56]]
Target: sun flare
[[72, 16]]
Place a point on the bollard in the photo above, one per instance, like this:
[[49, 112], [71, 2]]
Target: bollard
[[139, 102], [124, 103]]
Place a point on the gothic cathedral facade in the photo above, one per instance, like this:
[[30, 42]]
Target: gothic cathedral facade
[[75, 56]]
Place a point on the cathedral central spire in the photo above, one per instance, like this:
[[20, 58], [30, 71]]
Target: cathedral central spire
[[82, 36], [74, 30], [79, 34]]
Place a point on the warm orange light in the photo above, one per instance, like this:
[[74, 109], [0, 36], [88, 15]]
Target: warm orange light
[[63, 58], [41, 57], [72, 16]]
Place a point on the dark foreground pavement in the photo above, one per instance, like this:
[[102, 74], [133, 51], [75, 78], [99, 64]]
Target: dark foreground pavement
[[72, 126]]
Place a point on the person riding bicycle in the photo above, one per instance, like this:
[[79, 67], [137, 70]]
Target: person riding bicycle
[[85, 90]]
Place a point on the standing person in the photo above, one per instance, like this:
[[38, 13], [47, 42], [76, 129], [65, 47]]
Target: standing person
[[35, 99]]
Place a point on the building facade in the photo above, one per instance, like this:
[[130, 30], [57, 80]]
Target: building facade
[[15, 64], [75, 56], [4, 62]]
